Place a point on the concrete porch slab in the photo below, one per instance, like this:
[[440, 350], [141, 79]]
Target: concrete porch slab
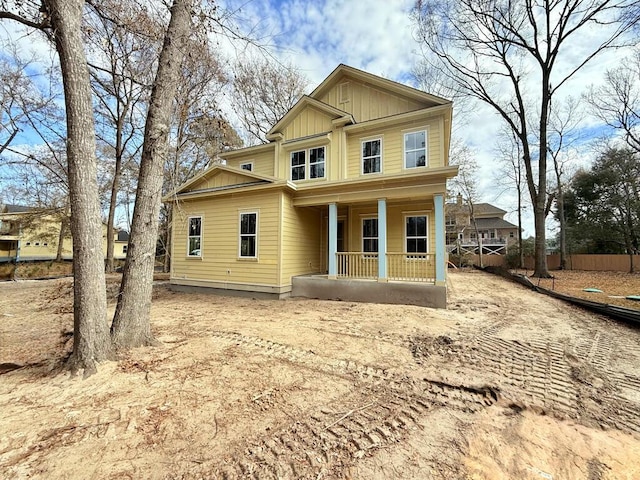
[[369, 291]]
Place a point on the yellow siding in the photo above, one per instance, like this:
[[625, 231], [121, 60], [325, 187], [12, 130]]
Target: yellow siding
[[366, 102], [220, 239], [301, 240], [309, 121], [263, 163], [39, 240], [393, 147]]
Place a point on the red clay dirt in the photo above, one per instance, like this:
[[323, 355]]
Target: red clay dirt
[[506, 383]]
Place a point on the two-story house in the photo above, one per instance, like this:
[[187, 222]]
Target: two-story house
[[346, 201], [494, 234], [32, 234]]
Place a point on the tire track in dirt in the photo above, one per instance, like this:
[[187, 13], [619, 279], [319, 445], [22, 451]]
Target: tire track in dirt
[[329, 440], [549, 378]]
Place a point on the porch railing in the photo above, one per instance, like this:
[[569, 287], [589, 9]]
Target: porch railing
[[357, 265], [411, 267], [405, 267]]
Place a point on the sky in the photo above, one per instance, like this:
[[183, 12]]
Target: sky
[[378, 36]]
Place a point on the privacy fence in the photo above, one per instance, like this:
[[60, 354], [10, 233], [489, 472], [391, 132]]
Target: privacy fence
[[613, 263]]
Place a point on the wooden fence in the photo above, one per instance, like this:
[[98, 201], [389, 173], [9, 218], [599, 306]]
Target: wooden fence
[[599, 263]]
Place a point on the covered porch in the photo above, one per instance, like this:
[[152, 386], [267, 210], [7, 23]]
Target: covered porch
[[401, 241], [389, 250]]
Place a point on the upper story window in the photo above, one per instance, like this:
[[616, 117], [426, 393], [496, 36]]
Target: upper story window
[[372, 156], [316, 162], [298, 163], [247, 166], [308, 164], [415, 149], [248, 234], [370, 235], [194, 242], [416, 233]]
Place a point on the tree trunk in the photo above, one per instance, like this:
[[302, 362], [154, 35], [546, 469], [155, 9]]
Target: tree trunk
[[91, 342], [520, 242], [131, 323], [563, 233], [113, 200]]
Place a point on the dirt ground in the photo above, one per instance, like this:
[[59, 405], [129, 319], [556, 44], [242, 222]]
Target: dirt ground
[[614, 286], [504, 384]]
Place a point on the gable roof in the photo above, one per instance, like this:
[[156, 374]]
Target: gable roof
[[343, 70], [217, 169], [494, 223], [304, 102], [8, 208], [478, 208]]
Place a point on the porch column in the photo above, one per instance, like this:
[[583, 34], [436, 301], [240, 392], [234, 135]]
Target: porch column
[[438, 203], [382, 240], [333, 240]]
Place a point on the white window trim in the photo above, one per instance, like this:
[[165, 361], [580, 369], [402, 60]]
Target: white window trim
[[307, 163], [362, 237], [404, 223], [248, 212], [251, 164], [426, 147], [201, 217], [362, 142]]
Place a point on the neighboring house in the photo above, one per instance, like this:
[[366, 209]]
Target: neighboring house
[[345, 201], [27, 233], [496, 235]]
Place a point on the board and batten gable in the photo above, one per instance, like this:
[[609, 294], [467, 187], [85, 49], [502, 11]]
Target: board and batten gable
[[310, 121], [366, 102]]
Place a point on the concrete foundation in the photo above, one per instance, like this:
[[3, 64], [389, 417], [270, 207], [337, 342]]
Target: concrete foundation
[[370, 291], [228, 292]]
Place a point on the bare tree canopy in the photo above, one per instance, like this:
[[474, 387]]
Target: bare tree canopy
[[514, 57], [263, 92], [617, 101]]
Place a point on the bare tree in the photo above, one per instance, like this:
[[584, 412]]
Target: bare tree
[[123, 46], [562, 143], [490, 50], [263, 92], [617, 101], [466, 184], [511, 176], [61, 20], [131, 326]]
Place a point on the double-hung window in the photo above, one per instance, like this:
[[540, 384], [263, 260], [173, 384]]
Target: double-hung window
[[415, 149], [416, 233], [308, 164], [194, 242], [298, 163], [316, 162], [370, 235], [371, 156], [248, 235]]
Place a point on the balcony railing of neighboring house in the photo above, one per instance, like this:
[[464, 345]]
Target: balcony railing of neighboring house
[[485, 241], [405, 267]]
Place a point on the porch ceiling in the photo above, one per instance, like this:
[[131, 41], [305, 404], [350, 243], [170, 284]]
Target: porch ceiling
[[401, 187]]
